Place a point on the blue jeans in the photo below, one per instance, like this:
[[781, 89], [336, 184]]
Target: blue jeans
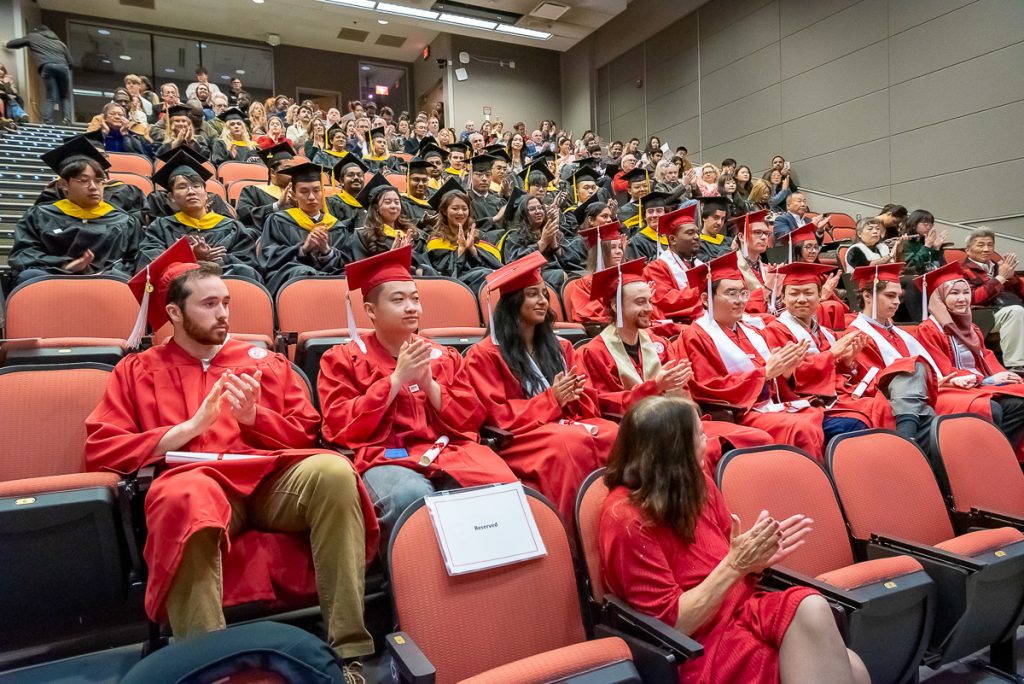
[[57, 79], [834, 425], [392, 489]]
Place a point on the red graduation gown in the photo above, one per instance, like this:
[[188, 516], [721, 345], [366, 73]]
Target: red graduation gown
[[669, 300], [585, 309], [714, 384], [819, 375], [354, 388], [649, 566], [148, 394], [546, 455], [615, 398]]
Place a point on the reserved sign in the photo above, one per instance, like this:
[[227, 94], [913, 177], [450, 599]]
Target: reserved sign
[[484, 527]]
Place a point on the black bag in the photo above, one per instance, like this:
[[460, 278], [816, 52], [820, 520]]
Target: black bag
[[1006, 298], [282, 653]]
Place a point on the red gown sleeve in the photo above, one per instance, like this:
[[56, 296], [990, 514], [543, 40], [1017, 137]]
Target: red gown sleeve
[[486, 372], [668, 299], [935, 343], [712, 383], [354, 405], [114, 439], [285, 418]]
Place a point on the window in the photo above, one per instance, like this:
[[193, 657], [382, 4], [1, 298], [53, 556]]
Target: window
[[384, 84]]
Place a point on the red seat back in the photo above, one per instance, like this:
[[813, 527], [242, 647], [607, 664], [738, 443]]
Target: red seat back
[[216, 188], [887, 487], [72, 306], [127, 162], [251, 310], [982, 469], [589, 501], [447, 303], [468, 624], [231, 171], [143, 183], [42, 418], [951, 255], [398, 180], [312, 304], [235, 189], [567, 291], [785, 481], [839, 220]]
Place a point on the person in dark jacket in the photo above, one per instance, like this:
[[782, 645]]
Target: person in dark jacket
[[53, 60]]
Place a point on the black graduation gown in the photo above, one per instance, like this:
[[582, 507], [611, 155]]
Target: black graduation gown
[[158, 205], [327, 159], [240, 242], [46, 233], [644, 244], [485, 209], [562, 260], [255, 204], [627, 216], [279, 257], [444, 258], [344, 207], [359, 248], [387, 165], [709, 250], [414, 209], [125, 197], [220, 153]]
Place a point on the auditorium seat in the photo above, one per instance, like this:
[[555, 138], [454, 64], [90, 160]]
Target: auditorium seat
[[75, 318], [451, 314], [215, 187], [251, 314], [61, 541], [311, 309], [143, 183], [609, 609], [951, 255], [567, 289], [235, 189], [571, 331], [893, 507], [887, 604], [517, 623], [158, 164], [398, 180], [231, 171], [128, 162], [986, 485]]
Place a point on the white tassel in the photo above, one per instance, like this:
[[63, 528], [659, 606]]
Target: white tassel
[[711, 299], [353, 333], [924, 297], [139, 329], [490, 318], [600, 251], [874, 296], [618, 300]]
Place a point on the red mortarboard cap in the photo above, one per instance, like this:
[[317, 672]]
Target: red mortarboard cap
[[808, 231], [865, 275], [671, 222], [724, 267], [386, 267], [606, 282], [758, 216], [610, 232], [803, 273], [948, 273], [150, 285], [519, 274]]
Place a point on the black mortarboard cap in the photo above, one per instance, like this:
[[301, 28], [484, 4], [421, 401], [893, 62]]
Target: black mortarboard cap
[[181, 163], [78, 146]]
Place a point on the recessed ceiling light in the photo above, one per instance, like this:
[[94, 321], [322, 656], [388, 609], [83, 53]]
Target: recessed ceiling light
[[258, 2], [106, 61], [240, 72], [383, 22], [525, 32], [103, 32], [169, 70], [126, 58], [406, 11], [225, 77], [471, 22], [365, 68], [363, 4]]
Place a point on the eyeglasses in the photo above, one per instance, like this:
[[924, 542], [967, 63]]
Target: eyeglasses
[[736, 295], [760, 233]]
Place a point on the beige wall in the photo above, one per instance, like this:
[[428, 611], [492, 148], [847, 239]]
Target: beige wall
[[919, 102]]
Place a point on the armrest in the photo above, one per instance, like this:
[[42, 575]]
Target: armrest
[[792, 578], [652, 629], [343, 450], [929, 553], [612, 416], [495, 437], [988, 518], [131, 492], [410, 663]]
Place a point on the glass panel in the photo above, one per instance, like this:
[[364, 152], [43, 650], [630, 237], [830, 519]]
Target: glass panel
[[384, 84], [102, 56], [253, 66], [175, 60]]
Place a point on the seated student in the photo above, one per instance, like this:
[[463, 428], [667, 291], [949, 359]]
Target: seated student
[[455, 249], [995, 283], [456, 168], [638, 185], [78, 235], [259, 201], [393, 397], [753, 234], [605, 248], [488, 207], [895, 364], [832, 309], [529, 383], [501, 181], [304, 240], [714, 235], [234, 143], [213, 237], [378, 158], [158, 203], [645, 242], [537, 180], [416, 198], [349, 172], [182, 132], [203, 392], [127, 198], [673, 298], [436, 156], [957, 346], [824, 375], [583, 183], [335, 150], [734, 367], [385, 228], [627, 362], [670, 548], [535, 229]]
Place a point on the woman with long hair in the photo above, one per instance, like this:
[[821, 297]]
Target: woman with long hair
[[707, 180], [517, 151], [529, 384], [671, 549], [743, 182], [780, 187], [275, 133], [257, 119], [445, 137], [234, 143], [454, 249], [316, 138], [666, 176], [728, 188], [564, 152], [536, 228], [385, 228], [760, 196], [893, 218], [922, 251]]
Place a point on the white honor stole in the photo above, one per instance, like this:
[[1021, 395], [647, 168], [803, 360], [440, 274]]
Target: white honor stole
[[677, 267], [649, 357], [889, 353], [802, 334]]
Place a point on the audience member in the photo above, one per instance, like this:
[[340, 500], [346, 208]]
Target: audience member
[[995, 283], [54, 61]]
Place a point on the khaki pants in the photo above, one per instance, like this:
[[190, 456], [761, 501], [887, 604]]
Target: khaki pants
[[1010, 326], [319, 494]]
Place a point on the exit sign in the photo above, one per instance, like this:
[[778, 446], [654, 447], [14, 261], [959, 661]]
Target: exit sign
[[426, 52]]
